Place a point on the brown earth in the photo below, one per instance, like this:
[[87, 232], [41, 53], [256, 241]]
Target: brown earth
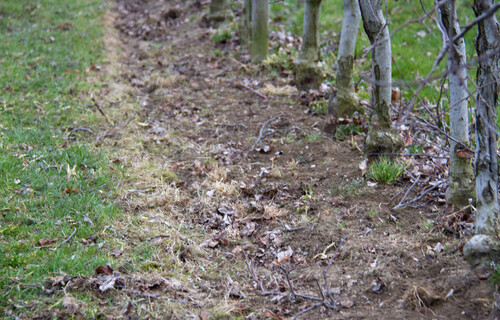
[[232, 194]]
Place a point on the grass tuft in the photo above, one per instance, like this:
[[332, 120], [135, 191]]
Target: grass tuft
[[386, 171]]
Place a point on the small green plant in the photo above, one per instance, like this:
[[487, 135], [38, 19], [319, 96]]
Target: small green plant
[[282, 60], [341, 225], [347, 188], [427, 224], [495, 276], [415, 149], [319, 107], [373, 213], [346, 130], [386, 171], [313, 136], [308, 192], [224, 33]]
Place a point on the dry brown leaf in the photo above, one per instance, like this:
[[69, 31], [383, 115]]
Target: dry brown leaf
[[105, 270], [46, 241]]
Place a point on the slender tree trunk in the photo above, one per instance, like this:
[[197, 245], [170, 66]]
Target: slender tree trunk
[[308, 71], [246, 22], [343, 102], [460, 174], [220, 10], [484, 247], [381, 137], [260, 32]]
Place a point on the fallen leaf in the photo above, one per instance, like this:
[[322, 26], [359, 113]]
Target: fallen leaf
[[105, 269], [127, 310], [347, 303], [438, 247], [65, 26], [283, 256], [248, 230], [265, 149], [46, 241], [363, 166], [203, 315]]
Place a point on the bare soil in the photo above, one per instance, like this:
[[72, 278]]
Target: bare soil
[[239, 195]]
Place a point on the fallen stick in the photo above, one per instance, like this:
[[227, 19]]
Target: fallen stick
[[262, 129], [65, 240], [81, 129], [254, 277], [400, 204], [101, 111], [254, 91]]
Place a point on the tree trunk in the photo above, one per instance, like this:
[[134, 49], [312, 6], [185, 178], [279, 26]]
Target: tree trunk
[[260, 32], [246, 21], [220, 10], [460, 174], [343, 102], [381, 137], [484, 247], [308, 71]]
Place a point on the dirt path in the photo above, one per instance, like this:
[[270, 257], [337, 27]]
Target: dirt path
[[217, 172]]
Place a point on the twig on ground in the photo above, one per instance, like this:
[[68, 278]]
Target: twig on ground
[[65, 240], [114, 130], [330, 303], [253, 90], [314, 306], [325, 272], [262, 133], [80, 129], [239, 124], [96, 104], [400, 204], [256, 279], [422, 194]]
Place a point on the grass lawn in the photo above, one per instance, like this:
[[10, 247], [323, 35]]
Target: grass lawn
[[55, 189]]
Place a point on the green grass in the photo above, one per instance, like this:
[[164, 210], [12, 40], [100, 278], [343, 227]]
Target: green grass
[[51, 187], [385, 170]]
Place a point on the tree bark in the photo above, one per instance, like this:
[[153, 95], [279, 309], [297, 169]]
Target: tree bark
[[460, 174], [220, 11], [308, 71], [343, 102], [381, 137], [484, 246], [246, 22], [260, 33]]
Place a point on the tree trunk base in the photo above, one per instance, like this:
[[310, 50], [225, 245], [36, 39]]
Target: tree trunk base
[[481, 250], [308, 75], [220, 16], [461, 189], [383, 142]]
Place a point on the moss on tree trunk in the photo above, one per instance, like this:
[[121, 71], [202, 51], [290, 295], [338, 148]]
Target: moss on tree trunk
[[308, 70], [220, 11]]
